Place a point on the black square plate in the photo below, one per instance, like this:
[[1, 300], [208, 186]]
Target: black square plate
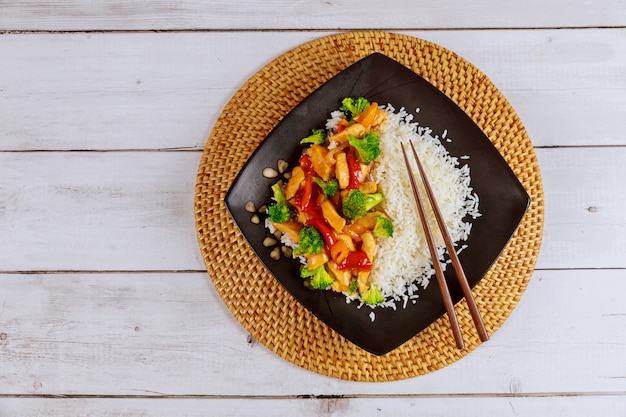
[[503, 200]]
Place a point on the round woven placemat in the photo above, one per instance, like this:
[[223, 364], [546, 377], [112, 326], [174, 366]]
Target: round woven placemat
[[260, 303]]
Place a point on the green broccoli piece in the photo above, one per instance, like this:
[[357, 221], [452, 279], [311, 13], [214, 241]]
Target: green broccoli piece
[[383, 227], [353, 106], [372, 296], [280, 211], [329, 188], [317, 136], [356, 204], [354, 286], [311, 242], [320, 279], [366, 148]]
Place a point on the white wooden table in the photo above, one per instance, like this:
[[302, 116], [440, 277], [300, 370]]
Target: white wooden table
[[105, 304]]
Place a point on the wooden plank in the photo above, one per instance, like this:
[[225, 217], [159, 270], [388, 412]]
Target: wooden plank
[[123, 91], [577, 406], [134, 210], [583, 208], [165, 90], [170, 334], [93, 211], [281, 14]]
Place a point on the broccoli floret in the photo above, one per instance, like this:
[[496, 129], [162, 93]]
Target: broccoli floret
[[354, 286], [280, 211], [383, 227], [372, 296], [320, 279], [317, 136], [367, 148], [353, 106], [329, 188], [311, 242], [356, 203]]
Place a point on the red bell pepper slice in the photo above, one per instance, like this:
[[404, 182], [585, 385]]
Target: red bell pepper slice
[[306, 198], [354, 168], [307, 192], [306, 164], [356, 260]]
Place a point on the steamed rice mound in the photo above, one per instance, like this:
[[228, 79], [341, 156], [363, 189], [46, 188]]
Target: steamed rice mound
[[402, 263]]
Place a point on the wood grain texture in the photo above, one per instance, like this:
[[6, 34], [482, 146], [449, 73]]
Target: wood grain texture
[[98, 211], [165, 90], [170, 334], [584, 208], [134, 210], [302, 15], [559, 406]]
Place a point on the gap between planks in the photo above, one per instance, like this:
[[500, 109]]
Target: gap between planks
[[102, 272], [313, 396], [201, 149], [121, 150], [307, 30], [203, 271]]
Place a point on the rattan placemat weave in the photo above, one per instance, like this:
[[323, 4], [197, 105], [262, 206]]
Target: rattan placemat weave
[[260, 303]]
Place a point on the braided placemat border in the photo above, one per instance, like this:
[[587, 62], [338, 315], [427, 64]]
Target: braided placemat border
[[260, 303]]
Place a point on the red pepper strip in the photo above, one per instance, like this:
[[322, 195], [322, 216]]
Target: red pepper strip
[[342, 125], [354, 168], [356, 260], [306, 199], [306, 164], [307, 192], [313, 211], [327, 233]]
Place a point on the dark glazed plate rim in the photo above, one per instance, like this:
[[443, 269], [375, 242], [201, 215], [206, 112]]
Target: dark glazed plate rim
[[503, 200]]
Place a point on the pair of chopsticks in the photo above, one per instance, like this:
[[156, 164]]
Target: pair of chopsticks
[[458, 269]]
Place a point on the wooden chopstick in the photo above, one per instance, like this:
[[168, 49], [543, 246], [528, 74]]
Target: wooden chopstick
[[441, 280], [458, 269]]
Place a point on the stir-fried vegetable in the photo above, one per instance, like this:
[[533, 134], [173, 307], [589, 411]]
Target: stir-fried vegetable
[[372, 296], [367, 147], [329, 188], [281, 211], [383, 227], [330, 207], [356, 203], [317, 136], [320, 279], [353, 106], [311, 242]]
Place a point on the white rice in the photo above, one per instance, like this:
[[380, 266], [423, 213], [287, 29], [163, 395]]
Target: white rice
[[402, 263]]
